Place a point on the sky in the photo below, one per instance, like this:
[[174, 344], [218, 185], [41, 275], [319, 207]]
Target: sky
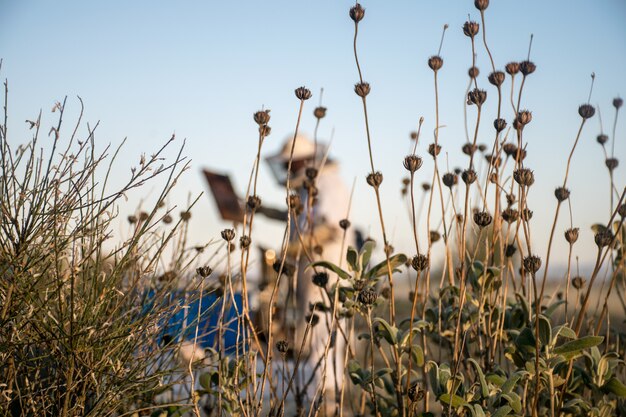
[[200, 69]]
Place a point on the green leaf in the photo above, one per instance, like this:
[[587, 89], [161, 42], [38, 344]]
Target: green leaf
[[478, 411], [484, 389], [418, 355], [508, 386], [353, 259], [389, 332], [456, 400], [545, 330], [615, 386], [502, 411], [366, 253], [329, 265], [381, 268], [574, 347]]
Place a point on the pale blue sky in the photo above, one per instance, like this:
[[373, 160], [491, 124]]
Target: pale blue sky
[[146, 69]]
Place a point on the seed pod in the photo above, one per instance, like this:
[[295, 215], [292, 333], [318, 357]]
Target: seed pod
[[481, 4], [469, 176], [388, 249], [204, 271], [303, 93], [167, 219], [244, 242], [526, 214], [434, 149], [362, 89], [561, 194], [520, 154], [524, 117], [412, 163], [509, 149], [143, 216], [477, 97], [527, 67], [603, 238], [524, 177], [512, 68], [254, 202], [386, 293], [473, 72], [618, 102], [470, 28], [450, 179], [578, 282], [320, 279], [435, 62], [510, 215], [496, 78], [482, 218], [510, 250], [311, 173], [602, 139], [357, 13], [621, 210], [132, 219], [459, 218], [499, 125], [282, 346], [532, 263], [425, 186], [367, 296], [510, 199], [374, 179], [434, 236], [611, 163], [265, 130], [319, 112], [415, 393], [420, 262], [344, 223], [482, 147], [571, 235], [262, 117], [228, 234], [469, 149], [185, 215], [493, 160], [586, 111]]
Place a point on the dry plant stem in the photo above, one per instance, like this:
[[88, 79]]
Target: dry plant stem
[[392, 308], [556, 214], [194, 399], [286, 238], [371, 331]]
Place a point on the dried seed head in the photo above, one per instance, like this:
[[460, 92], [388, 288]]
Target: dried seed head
[[143, 216], [571, 235], [602, 139], [520, 154], [482, 147], [319, 112], [473, 72], [167, 219], [344, 223], [512, 68], [303, 93], [359, 284], [415, 393], [425, 186], [561, 194], [469, 149], [412, 163], [496, 78], [406, 181], [524, 177], [313, 319], [357, 13], [510, 215], [265, 130], [434, 236], [420, 262], [586, 111], [611, 163], [603, 238], [185, 215], [450, 179], [510, 199], [470, 28], [510, 250], [204, 271], [318, 250], [477, 97], [388, 249], [527, 67], [311, 173], [254, 202], [481, 4], [228, 234], [493, 178], [294, 200], [469, 176], [458, 171], [320, 279], [374, 179], [509, 149], [367, 296], [499, 125], [524, 117], [288, 269], [282, 346], [132, 219], [526, 214], [262, 117], [618, 102], [532, 263], [578, 282], [244, 242], [435, 62], [362, 89], [386, 293], [621, 210], [493, 160], [434, 149], [482, 218]]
